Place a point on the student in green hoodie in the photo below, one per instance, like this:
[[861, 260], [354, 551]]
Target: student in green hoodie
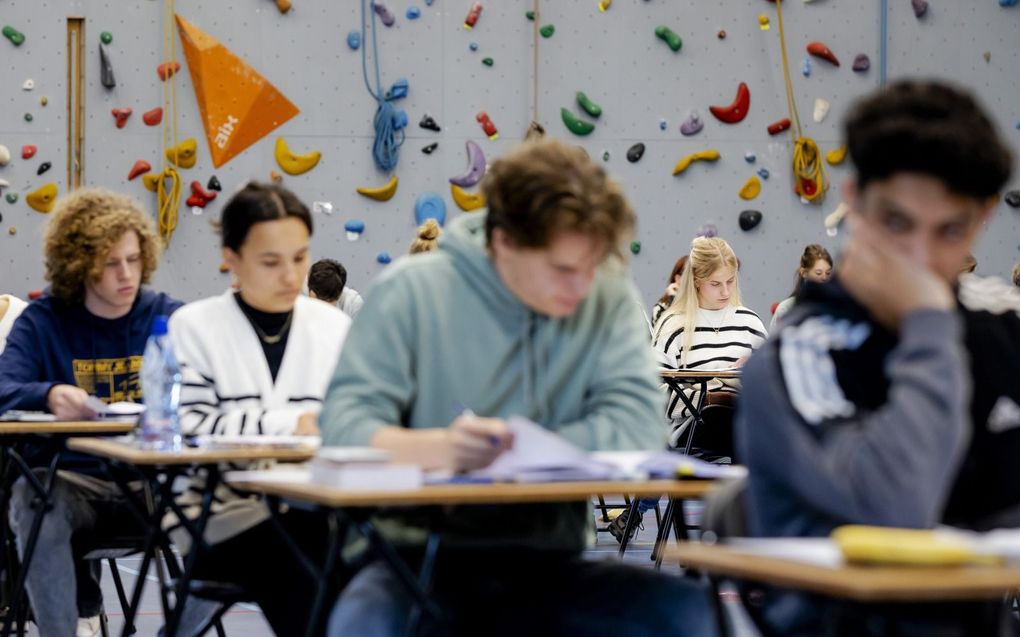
[[526, 309]]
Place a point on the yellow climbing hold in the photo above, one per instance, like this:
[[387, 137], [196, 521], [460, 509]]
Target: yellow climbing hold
[[836, 156], [184, 154], [763, 22], [467, 201], [151, 181], [294, 164], [751, 189], [701, 155], [382, 193], [42, 200], [605, 4]]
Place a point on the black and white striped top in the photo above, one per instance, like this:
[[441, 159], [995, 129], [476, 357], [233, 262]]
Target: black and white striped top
[[721, 339]]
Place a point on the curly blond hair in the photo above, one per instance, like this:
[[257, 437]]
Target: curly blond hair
[[84, 226]]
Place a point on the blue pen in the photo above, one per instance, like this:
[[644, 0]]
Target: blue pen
[[467, 413]]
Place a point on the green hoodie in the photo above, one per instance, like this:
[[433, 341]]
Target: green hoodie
[[440, 330]]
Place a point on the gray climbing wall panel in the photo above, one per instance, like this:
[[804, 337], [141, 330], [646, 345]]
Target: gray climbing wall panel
[[612, 56]]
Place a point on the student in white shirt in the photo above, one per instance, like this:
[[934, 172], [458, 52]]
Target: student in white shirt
[[257, 361], [10, 309]]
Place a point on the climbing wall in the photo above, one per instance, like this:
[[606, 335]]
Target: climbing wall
[[646, 90]]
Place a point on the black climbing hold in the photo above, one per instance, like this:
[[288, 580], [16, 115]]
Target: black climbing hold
[[106, 69], [429, 124], [431, 147], [749, 219], [214, 184], [43, 167], [1013, 198], [635, 152]]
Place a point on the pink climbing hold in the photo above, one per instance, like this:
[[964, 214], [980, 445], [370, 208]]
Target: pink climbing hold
[[920, 7]]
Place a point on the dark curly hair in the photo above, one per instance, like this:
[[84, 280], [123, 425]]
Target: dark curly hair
[[931, 128], [84, 226]]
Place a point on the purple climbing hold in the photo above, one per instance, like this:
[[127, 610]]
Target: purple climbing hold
[[861, 63], [708, 231], [920, 7], [692, 125], [385, 15]]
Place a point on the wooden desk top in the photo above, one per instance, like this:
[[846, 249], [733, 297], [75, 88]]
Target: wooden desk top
[[451, 494], [82, 427], [130, 453], [857, 583], [684, 374]]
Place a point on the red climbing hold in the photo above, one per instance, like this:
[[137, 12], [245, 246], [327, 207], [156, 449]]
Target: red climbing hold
[[487, 125], [472, 17], [141, 166], [153, 117], [199, 196], [819, 50], [777, 127], [121, 115], [28, 151], [167, 70], [736, 111]]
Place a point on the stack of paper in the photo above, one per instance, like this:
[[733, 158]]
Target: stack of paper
[[363, 468]]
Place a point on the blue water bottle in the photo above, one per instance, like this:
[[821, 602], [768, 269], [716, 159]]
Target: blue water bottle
[[161, 391]]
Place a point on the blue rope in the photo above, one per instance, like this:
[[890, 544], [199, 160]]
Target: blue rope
[[386, 147]]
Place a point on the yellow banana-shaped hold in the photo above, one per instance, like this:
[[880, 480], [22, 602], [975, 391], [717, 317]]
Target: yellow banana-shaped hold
[[151, 181], [183, 155], [467, 201], [872, 544], [382, 193], [836, 156], [750, 189], [701, 155], [291, 163], [41, 200]]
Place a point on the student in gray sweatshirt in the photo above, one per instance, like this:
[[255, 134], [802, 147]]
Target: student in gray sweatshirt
[[527, 310], [890, 395]]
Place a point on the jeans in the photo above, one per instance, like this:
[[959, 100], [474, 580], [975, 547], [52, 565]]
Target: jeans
[[80, 503], [527, 593]]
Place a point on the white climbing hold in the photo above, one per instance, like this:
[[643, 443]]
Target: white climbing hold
[[5, 155], [821, 109], [28, 84]]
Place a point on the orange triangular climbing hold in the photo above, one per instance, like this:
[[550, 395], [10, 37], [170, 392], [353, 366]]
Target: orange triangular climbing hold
[[238, 105]]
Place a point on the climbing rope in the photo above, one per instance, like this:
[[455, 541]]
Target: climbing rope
[[808, 170], [168, 198], [388, 140]]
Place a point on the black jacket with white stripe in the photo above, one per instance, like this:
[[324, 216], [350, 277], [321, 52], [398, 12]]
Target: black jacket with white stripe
[[843, 422]]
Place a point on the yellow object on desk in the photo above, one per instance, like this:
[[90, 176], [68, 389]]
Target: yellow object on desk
[[908, 547]]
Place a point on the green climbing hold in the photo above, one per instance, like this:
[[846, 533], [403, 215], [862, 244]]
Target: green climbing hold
[[487, 61], [589, 106], [106, 37], [530, 15], [16, 37], [635, 247], [670, 37], [547, 31], [28, 117], [605, 155], [576, 125], [12, 197]]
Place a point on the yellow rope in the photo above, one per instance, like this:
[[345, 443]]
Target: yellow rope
[[807, 159], [169, 198]]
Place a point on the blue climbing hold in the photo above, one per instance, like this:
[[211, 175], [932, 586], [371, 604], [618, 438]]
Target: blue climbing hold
[[354, 40], [400, 120], [662, 124], [806, 69], [428, 3], [413, 13], [398, 90], [383, 258], [763, 173], [473, 46], [750, 157], [430, 206], [354, 228], [1008, 3]]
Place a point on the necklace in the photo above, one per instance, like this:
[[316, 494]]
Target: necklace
[[275, 338], [722, 322]]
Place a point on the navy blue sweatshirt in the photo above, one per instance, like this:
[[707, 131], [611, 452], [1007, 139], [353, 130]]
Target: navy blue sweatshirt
[[844, 422], [55, 343]]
